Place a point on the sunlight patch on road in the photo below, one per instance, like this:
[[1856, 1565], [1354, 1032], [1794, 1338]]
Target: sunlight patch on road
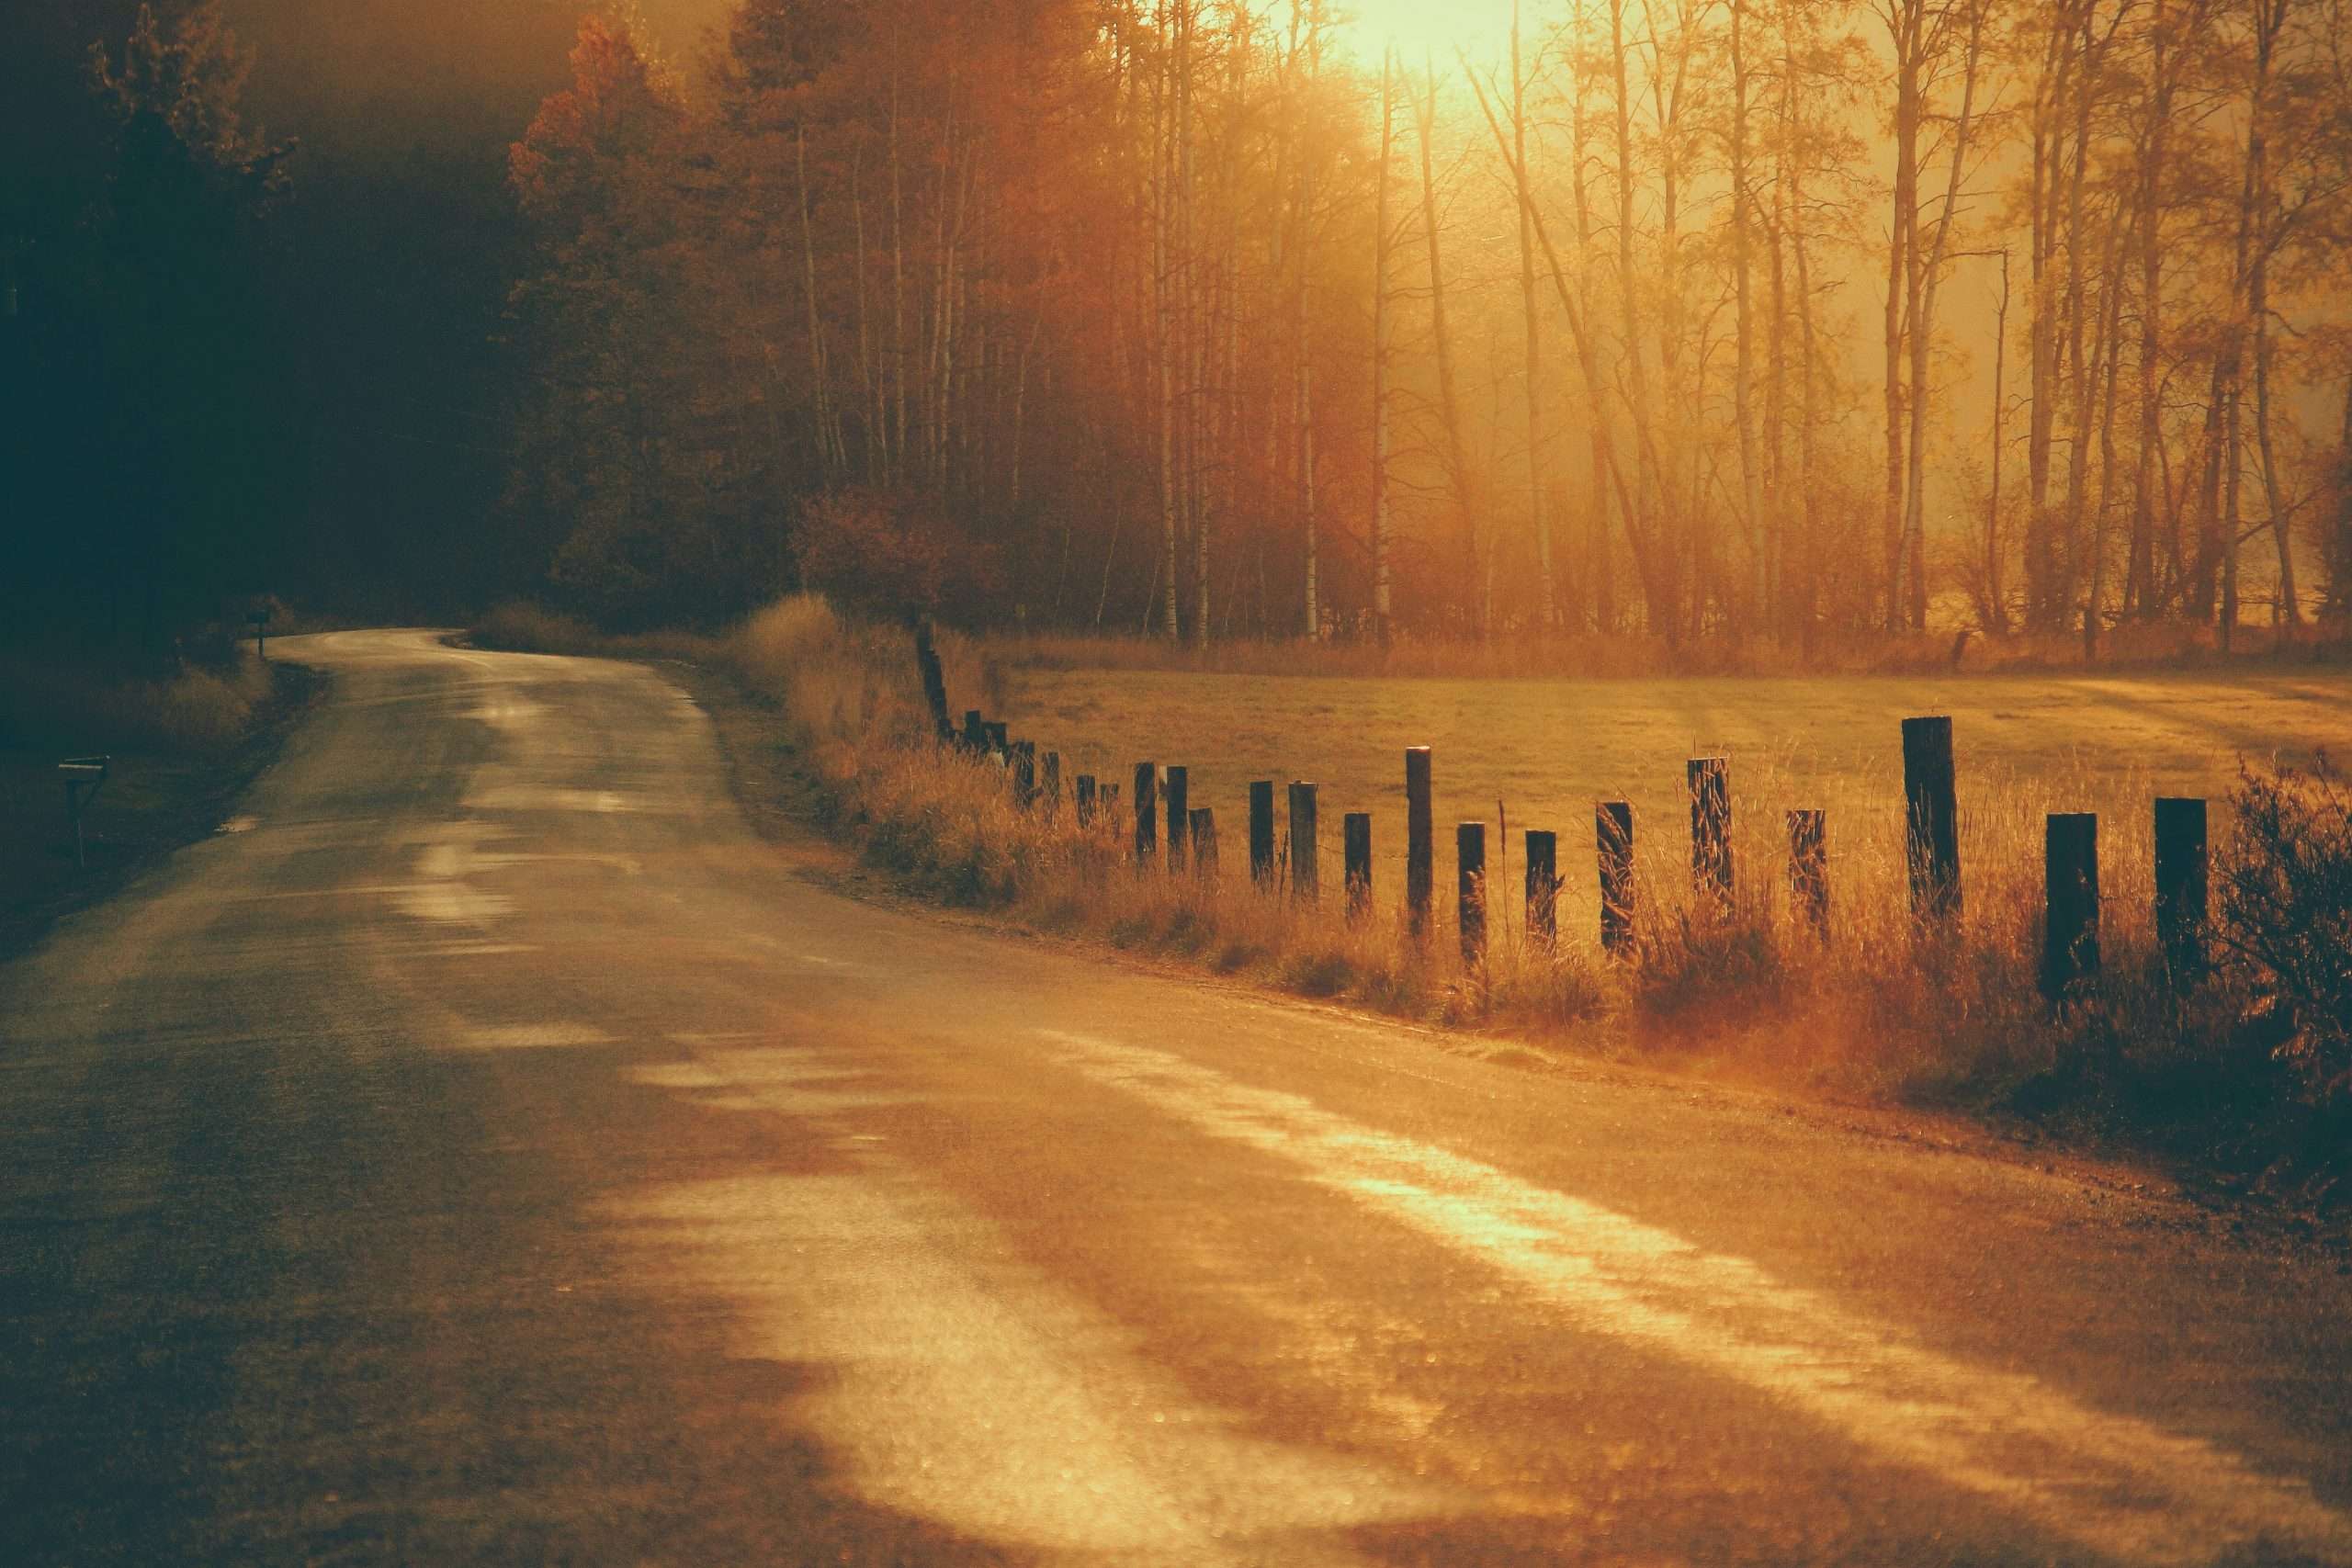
[[527, 1036], [2119, 1485], [953, 1382]]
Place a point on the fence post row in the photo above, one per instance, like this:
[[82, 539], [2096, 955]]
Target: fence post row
[[1304, 873], [1809, 867], [2181, 885], [1203, 823], [1931, 842], [1419, 876], [1146, 811], [1262, 831], [1355, 839], [1543, 887], [1179, 790], [2070, 929], [1612, 831], [1470, 889], [1709, 780]]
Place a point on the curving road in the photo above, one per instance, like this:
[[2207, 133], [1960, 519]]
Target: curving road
[[489, 1151]]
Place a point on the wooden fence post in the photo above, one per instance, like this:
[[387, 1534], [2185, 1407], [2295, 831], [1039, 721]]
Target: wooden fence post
[[1809, 868], [1000, 740], [1085, 800], [1710, 779], [1612, 824], [976, 732], [1261, 832], [1932, 839], [1203, 823], [934, 681], [1146, 811], [1470, 890], [1419, 877], [1051, 783], [1025, 773], [1180, 821], [1543, 888], [1304, 875], [1106, 807], [2181, 884], [2070, 931], [1355, 839]]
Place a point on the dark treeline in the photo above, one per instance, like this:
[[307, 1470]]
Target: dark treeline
[[238, 359]]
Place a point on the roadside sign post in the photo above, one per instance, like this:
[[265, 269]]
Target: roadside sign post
[[83, 776], [259, 621]]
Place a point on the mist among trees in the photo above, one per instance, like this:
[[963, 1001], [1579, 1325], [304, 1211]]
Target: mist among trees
[[1692, 318]]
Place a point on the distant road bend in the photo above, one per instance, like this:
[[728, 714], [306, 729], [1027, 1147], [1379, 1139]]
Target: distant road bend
[[495, 1153]]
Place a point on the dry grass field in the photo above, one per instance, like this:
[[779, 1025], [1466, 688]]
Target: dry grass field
[[1541, 752]]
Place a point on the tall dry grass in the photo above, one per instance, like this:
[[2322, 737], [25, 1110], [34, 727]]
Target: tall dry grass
[[200, 709], [1878, 1004]]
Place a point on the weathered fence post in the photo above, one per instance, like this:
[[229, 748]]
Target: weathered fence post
[[1419, 878], [1809, 867], [1932, 839], [1612, 831], [1106, 807], [1710, 779], [1085, 800], [1000, 740], [1180, 821], [1025, 773], [1146, 811], [2070, 931], [1355, 841], [2181, 882], [1470, 890], [1304, 876], [976, 732], [1051, 783], [1262, 831], [934, 681], [1543, 888], [1203, 823]]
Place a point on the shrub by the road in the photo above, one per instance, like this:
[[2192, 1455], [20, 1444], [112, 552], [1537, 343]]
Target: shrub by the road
[[2285, 905]]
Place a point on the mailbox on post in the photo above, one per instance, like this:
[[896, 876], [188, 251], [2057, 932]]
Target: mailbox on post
[[83, 776], [259, 620]]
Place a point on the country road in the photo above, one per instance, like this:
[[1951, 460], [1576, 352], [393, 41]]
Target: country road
[[489, 1151]]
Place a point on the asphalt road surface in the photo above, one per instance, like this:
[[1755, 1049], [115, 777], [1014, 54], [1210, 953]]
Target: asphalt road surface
[[489, 1151]]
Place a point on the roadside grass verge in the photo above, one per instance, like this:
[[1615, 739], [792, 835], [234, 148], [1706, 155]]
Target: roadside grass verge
[[2228, 1073], [181, 748]]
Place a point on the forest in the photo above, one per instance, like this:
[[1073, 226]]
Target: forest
[[1745, 320], [1224, 320]]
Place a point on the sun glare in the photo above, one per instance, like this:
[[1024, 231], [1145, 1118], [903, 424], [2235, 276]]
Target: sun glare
[[1429, 29]]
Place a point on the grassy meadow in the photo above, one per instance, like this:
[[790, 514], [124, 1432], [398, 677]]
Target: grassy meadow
[[1538, 753]]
